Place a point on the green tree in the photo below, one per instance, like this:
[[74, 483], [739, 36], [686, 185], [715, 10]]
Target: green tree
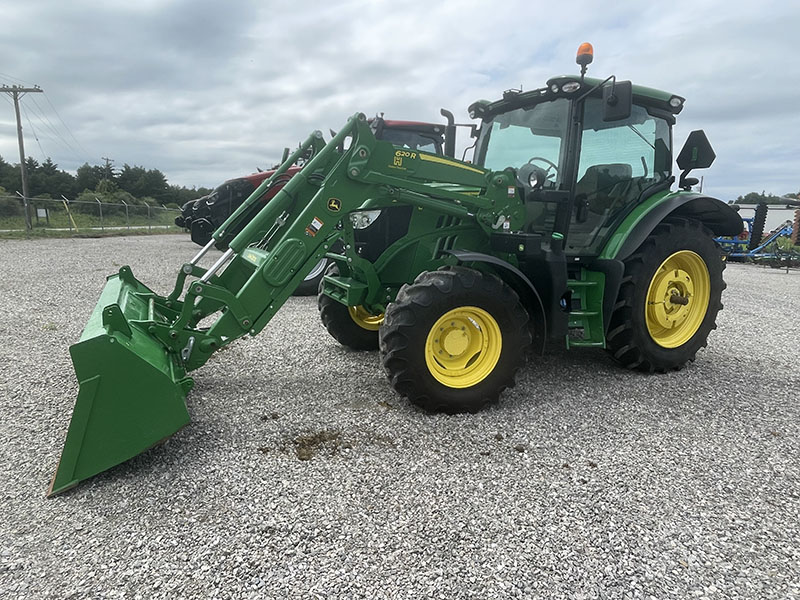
[[755, 198], [129, 178], [154, 184], [87, 178]]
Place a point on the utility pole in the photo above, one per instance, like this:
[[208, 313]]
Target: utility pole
[[17, 92], [107, 172]]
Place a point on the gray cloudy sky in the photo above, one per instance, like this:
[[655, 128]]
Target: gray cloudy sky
[[206, 91]]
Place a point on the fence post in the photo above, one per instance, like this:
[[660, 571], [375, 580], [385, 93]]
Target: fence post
[[149, 222], [66, 208], [100, 208], [127, 220]]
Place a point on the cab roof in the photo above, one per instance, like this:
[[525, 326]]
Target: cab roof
[[513, 99]]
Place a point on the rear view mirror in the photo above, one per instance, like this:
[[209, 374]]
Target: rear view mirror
[[617, 100], [696, 153]]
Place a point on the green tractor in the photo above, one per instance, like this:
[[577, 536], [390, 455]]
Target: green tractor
[[565, 227]]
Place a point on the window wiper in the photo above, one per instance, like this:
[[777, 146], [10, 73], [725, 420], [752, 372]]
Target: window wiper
[[637, 132]]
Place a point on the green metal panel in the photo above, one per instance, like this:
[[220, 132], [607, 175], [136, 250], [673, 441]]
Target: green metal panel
[[625, 228]]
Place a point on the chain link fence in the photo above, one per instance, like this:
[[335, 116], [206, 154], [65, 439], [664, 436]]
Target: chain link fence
[[79, 215]]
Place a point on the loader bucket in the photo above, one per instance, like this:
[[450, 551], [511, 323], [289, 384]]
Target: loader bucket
[[132, 391]]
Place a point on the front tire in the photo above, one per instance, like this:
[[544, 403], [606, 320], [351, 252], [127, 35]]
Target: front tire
[[669, 299], [310, 285], [351, 326], [454, 340]]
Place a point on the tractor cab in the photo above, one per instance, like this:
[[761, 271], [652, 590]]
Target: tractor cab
[[415, 135], [585, 151]]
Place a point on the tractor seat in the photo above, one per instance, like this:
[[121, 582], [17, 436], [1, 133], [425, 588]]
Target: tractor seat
[[598, 183]]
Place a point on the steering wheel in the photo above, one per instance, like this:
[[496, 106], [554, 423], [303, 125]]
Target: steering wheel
[[551, 165]]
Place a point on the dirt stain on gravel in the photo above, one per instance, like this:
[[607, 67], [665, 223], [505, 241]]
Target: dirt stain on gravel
[[308, 444], [329, 442]]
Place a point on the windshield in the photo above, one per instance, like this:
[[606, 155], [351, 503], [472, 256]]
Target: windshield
[[413, 140], [524, 135]]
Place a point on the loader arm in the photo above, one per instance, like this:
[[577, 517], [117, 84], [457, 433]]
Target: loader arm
[[271, 256], [134, 397]]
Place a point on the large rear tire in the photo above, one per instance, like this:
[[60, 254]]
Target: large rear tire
[[454, 340], [351, 326], [669, 299]]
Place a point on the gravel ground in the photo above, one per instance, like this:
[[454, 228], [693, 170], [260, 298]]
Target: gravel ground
[[585, 481]]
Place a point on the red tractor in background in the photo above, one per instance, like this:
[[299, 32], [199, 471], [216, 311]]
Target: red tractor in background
[[204, 215]]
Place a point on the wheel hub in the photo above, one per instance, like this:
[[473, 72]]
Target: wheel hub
[[454, 342], [463, 347], [677, 299], [672, 297], [365, 319]]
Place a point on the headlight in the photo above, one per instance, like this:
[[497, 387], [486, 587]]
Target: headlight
[[570, 86], [364, 218]]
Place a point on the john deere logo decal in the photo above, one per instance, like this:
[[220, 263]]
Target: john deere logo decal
[[334, 204]]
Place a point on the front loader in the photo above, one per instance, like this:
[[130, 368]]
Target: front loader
[[204, 215], [565, 227]]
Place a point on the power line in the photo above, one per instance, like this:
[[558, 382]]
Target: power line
[[52, 128], [13, 79], [80, 146], [33, 131]]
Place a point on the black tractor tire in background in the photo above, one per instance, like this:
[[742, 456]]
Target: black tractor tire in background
[[338, 320], [757, 230], [310, 285], [474, 315], [630, 340]]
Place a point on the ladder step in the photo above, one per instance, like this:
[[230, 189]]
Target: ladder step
[[585, 344], [580, 283], [584, 313]]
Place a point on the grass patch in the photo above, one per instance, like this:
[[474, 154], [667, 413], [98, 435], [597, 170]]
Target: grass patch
[[94, 233]]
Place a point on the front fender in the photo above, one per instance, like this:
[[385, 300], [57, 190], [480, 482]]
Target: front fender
[[719, 217], [518, 281]]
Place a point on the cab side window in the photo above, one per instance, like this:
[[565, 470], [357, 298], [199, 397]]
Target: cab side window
[[620, 159]]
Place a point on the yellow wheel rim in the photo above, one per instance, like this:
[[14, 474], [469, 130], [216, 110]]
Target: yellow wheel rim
[[364, 319], [463, 347], [677, 299]]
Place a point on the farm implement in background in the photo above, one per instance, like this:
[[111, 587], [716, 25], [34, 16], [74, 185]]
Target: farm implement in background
[[777, 248]]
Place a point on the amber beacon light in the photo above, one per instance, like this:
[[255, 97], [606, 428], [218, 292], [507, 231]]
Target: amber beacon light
[[585, 56]]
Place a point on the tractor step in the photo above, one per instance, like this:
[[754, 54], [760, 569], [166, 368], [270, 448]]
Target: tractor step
[[585, 344], [587, 293], [580, 283]]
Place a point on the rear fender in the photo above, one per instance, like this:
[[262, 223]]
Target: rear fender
[[714, 214]]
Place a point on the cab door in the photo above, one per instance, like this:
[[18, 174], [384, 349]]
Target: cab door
[[617, 163]]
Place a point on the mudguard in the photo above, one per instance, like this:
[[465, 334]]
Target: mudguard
[[518, 281], [719, 217]]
